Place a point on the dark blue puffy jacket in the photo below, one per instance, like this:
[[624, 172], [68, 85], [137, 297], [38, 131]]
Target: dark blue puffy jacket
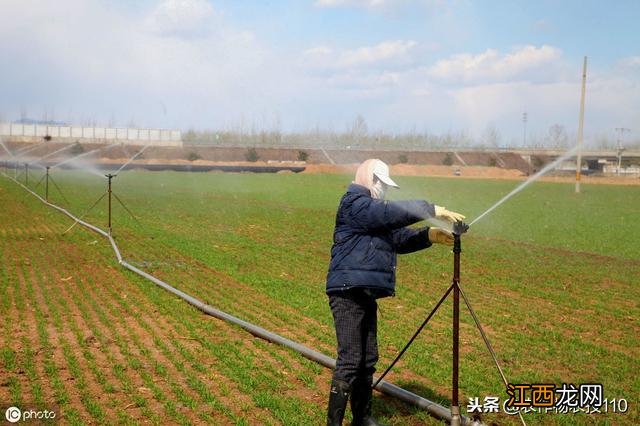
[[368, 235]]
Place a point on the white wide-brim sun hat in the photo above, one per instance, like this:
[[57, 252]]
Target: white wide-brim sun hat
[[381, 171]]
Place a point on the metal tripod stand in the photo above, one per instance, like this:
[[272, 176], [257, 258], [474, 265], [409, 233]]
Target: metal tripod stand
[[459, 228], [48, 178], [109, 193]]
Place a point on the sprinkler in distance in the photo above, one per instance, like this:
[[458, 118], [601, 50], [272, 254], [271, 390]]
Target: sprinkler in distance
[[46, 186], [109, 194], [46, 177], [109, 176]]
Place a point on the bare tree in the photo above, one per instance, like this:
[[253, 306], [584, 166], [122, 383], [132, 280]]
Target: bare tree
[[602, 141], [557, 136], [491, 136], [359, 129], [277, 128]]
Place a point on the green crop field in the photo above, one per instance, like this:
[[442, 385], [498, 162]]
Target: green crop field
[[552, 275]]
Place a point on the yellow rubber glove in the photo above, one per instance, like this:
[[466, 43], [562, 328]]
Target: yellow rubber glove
[[442, 213], [440, 236]]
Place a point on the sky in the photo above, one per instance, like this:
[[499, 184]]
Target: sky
[[432, 66]]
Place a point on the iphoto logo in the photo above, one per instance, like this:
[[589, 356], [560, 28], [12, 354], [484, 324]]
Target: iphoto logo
[[14, 415]]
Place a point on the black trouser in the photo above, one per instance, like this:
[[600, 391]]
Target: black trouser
[[355, 319]]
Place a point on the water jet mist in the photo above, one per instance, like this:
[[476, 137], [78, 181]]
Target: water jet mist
[[527, 182]]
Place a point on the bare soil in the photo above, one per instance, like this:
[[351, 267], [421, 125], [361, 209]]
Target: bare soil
[[475, 172]]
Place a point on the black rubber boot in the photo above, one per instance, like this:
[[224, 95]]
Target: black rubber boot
[[338, 398], [361, 403]]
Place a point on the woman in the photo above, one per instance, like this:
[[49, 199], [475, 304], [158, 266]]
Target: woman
[[369, 233]]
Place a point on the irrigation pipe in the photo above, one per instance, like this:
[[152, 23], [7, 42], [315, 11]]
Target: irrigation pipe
[[385, 387]]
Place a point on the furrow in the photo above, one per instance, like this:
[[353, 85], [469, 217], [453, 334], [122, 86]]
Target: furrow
[[123, 363], [143, 332], [65, 392]]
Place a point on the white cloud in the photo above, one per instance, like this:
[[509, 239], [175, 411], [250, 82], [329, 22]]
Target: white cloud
[[354, 3], [97, 62], [318, 51], [389, 53], [495, 67], [504, 102], [631, 62], [366, 72], [492, 87], [182, 18], [382, 52], [369, 81], [385, 5], [318, 57], [610, 102]]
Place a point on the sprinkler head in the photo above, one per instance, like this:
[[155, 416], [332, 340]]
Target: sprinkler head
[[460, 228], [109, 176]]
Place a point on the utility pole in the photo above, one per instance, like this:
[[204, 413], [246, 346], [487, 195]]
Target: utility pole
[[581, 126], [620, 131]]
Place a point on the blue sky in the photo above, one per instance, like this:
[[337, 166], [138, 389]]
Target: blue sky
[[425, 65], [457, 26]]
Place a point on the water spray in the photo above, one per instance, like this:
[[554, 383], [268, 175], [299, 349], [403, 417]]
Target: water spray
[[51, 154], [22, 151], [132, 158], [526, 183], [11, 157], [6, 149], [75, 158]]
